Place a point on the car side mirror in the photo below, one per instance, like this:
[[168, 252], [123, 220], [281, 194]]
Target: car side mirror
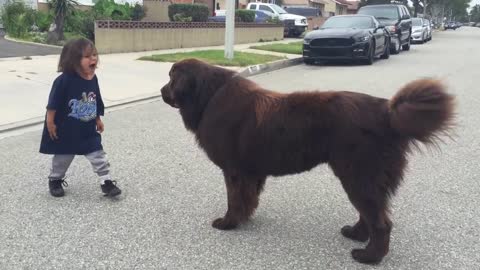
[[378, 28], [405, 17]]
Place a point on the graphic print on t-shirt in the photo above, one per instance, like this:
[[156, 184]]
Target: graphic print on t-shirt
[[84, 109]]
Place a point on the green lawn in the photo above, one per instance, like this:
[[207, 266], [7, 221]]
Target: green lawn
[[216, 57], [290, 48]]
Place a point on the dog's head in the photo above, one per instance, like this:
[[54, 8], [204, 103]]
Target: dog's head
[[182, 83], [192, 84]]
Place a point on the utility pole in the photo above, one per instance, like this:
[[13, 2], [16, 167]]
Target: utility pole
[[229, 28]]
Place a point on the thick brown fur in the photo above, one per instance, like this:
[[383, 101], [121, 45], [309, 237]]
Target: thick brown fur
[[252, 133]]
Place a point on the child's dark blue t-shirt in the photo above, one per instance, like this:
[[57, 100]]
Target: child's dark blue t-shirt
[[77, 102]]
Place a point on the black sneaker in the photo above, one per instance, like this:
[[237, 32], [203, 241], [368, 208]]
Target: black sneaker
[[56, 188], [110, 188]]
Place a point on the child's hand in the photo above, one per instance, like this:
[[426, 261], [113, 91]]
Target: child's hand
[[52, 130], [100, 126]]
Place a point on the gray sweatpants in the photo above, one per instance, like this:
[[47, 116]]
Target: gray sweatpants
[[98, 159]]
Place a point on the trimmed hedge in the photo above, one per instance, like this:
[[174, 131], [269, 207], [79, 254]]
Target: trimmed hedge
[[245, 15], [197, 12]]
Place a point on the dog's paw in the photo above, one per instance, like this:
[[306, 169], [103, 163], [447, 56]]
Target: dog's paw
[[354, 233], [224, 224], [366, 256]]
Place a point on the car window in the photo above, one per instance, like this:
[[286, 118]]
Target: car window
[[381, 13], [261, 14], [279, 9], [402, 12], [360, 22], [417, 22], [253, 7], [266, 9]]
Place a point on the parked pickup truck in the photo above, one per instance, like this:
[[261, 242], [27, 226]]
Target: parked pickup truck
[[296, 29]]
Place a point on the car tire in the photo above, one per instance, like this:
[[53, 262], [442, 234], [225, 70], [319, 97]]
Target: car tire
[[396, 49], [406, 47], [308, 61], [386, 52], [371, 54]]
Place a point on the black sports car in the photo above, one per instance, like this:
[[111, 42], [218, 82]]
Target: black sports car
[[347, 37]]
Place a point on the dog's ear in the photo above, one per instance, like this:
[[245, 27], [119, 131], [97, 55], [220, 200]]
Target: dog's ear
[[182, 83]]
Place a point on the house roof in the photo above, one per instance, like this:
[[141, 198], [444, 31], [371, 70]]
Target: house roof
[[341, 2], [324, 2], [295, 3], [353, 5]]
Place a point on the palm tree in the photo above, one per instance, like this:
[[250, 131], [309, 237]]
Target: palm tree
[[61, 9]]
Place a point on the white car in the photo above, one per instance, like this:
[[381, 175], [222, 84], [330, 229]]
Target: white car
[[419, 30], [300, 21]]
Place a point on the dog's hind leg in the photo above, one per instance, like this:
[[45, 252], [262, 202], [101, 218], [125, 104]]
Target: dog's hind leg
[[373, 211], [242, 195], [357, 232], [371, 201]]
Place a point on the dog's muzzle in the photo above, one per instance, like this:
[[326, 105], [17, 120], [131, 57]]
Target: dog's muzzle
[[167, 97]]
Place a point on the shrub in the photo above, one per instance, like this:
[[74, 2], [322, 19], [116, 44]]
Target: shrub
[[82, 23], [180, 17], [245, 15], [17, 18], [138, 12], [108, 9], [198, 12], [43, 20], [275, 20]]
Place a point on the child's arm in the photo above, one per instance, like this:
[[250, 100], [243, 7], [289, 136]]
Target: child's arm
[[52, 128], [100, 110], [100, 126]]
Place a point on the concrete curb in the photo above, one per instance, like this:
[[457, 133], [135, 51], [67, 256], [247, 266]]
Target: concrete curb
[[267, 67], [39, 120], [247, 72], [31, 43]]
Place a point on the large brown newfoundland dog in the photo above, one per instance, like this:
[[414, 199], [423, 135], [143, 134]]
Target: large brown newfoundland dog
[[252, 133]]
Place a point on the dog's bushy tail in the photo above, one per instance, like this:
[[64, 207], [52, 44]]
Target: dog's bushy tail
[[422, 110]]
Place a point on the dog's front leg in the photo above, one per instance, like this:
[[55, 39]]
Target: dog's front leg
[[242, 195]]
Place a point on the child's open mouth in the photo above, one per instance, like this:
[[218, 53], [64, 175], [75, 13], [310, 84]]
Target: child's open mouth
[[93, 66]]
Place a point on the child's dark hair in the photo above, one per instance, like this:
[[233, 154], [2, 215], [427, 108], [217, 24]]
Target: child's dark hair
[[72, 54]]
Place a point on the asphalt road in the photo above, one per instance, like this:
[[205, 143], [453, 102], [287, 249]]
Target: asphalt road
[[15, 49], [172, 192]]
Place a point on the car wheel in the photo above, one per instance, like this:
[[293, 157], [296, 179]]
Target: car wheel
[[371, 54], [396, 49], [406, 47], [386, 52], [308, 61]]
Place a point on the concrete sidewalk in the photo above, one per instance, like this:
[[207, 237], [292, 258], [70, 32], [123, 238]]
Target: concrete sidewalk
[[25, 84]]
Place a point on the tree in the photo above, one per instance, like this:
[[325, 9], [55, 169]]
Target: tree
[[475, 14], [451, 9], [416, 6], [61, 8]]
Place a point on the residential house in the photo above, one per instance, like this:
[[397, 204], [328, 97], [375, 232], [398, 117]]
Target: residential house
[[334, 7], [320, 4], [353, 6]]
